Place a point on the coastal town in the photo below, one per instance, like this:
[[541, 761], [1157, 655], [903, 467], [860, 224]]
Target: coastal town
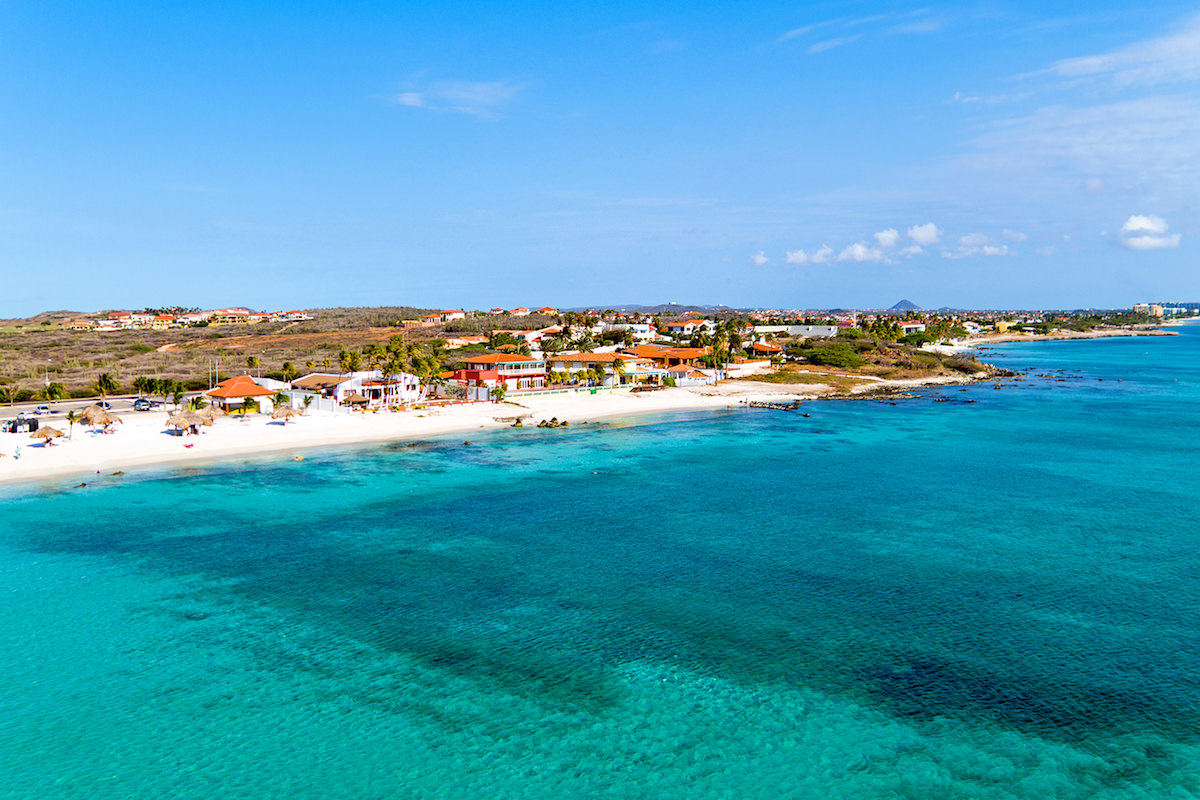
[[457, 370]]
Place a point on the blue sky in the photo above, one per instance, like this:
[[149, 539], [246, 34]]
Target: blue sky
[[810, 155]]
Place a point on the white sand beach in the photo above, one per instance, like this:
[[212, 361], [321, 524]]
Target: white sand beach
[[142, 438]]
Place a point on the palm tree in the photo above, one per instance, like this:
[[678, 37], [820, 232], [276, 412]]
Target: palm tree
[[71, 417], [289, 370], [375, 355], [54, 391], [720, 342], [349, 361], [280, 399], [251, 362], [177, 393], [498, 391], [618, 367], [434, 380], [162, 386], [106, 385], [6, 395], [196, 403]]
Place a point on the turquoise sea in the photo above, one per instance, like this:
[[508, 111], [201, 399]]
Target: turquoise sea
[[997, 599]]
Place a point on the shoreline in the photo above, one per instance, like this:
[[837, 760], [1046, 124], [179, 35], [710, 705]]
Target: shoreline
[[1106, 333], [142, 440]]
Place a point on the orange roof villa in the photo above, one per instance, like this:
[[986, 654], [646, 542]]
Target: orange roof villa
[[236, 390], [479, 374]]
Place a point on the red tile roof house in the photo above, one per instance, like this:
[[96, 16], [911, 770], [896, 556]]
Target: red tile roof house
[[233, 392], [480, 374], [685, 327]]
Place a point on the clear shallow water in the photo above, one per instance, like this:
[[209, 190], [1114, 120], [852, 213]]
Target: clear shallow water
[[984, 600]]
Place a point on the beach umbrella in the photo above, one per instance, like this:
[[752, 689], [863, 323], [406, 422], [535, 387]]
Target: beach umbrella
[[89, 414], [183, 419], [46, 433], [105, 418], [209, 413], [284, 413]]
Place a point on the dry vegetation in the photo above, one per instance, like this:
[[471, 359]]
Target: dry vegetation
[[795, 374], [31, 349], [867, 357]]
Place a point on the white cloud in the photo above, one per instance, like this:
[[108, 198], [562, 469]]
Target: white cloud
[[819, 256], [1144, 224], [1141, 141], [759, 258], [912, 250], [797, 32], [1013, 236], [1147, 233], [976, 244], [476, 98], [861, 252], [1046, 251], [925, 235], [888, 238], [829, 44], [1170, 58]]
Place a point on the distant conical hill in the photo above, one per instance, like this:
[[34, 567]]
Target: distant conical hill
[[905, 305]]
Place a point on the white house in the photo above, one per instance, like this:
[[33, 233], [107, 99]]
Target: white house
[[367, 389]]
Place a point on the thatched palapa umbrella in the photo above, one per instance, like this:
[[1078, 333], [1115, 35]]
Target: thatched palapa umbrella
[[209, 413], [95, 415], [284, 413], [181, 420], [47, 433]]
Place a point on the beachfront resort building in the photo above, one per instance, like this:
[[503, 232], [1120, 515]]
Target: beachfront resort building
[[631, 370], [233, 393], [668, 356], [364, 389], [480, 374]]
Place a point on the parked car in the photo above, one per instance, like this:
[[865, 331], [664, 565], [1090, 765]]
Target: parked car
[[25, 415], [40, 410], [104, 405], [141, 404]]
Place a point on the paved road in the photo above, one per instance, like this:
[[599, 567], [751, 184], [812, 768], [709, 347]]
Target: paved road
[[59, 408]]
